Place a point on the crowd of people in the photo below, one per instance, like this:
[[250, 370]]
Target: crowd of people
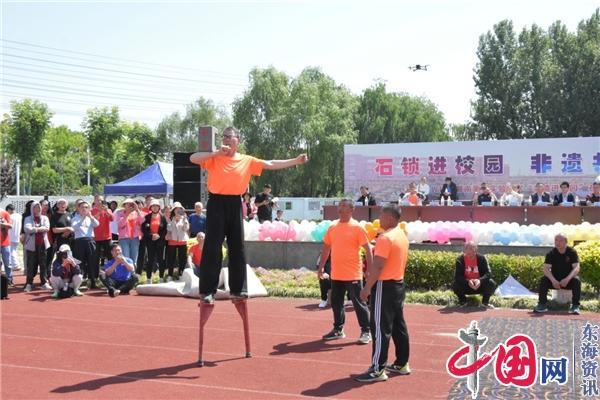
[[419, 194], [99, 243]]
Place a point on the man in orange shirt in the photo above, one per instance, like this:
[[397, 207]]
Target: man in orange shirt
[[385, 285], [343, 241], [229, 173]]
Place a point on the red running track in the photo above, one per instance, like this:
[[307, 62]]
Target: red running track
[[134, 347]]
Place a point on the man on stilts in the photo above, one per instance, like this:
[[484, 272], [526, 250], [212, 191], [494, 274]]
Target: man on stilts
[[229, 173]]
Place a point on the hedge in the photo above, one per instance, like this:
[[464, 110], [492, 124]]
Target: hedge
[[589, 259]]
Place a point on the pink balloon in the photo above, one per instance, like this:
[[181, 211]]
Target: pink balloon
[[468, 236], [291, 233]]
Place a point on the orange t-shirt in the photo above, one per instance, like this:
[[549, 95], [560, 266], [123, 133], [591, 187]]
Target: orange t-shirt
[[4, 232], [345, 240], [393, 246], [196, 252], [154, 223], [231, 175]]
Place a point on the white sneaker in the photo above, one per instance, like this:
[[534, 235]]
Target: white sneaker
[[28, 288], [46, 286], [323, 304], [117, 292], [348, 303]]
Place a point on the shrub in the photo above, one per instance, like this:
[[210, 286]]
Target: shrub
[[434, 270], [589, 259]]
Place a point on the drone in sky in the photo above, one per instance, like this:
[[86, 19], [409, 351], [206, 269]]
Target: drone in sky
[[418, 67]]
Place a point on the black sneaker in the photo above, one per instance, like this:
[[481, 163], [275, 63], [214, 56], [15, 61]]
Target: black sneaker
[[540, 308], [111, 292], [462, 304], [334, 334], [372, 375], [574, 310]]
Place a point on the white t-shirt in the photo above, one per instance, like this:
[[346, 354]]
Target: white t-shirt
[[15, 231], [423, 188]]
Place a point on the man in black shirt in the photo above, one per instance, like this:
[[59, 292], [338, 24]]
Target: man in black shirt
[[593, 197], [540, 195], [560, 272], [264, 202], [486, 195], [60, 223], [366, 198], [565, 195]]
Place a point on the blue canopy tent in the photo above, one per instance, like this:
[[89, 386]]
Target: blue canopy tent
[[156, 179]]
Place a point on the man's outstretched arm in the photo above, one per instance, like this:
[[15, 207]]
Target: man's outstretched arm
[[281, 164]]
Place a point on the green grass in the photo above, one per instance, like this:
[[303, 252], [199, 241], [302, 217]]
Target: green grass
[[304, 283]]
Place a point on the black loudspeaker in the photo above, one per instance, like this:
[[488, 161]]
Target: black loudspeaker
[[187, 180]]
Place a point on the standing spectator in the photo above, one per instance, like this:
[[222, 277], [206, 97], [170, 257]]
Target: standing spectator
[[102, 234], [449, 190], [197, 220], [65, 272], [178, 228], [424, 188], [47, 211], [118, 274], [83, 224], [5, 228], [130, 220], [325, 283], [195, 253], [590, 199], [366, 198], [14, 233], [565, 195], [154, 231], [540, 196], [561, 269], [264, 202], [229, 173], [36, 228], [142, 256], [248, 207], [26, 213], [114, 224], [60, 224], [343, 241], [385, 285], [472, 275]]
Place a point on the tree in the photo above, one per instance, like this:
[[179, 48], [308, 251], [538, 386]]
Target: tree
[[65, 153], [180, 134], [280, 117], [102, 127], [138, 148], [28, 122], [384, 117]]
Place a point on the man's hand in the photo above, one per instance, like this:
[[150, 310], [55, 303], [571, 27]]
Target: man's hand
[[471, 284], [302, 159], [155, 236], [556, 284], [226, 150], [364, 294], [476, 283], [564, 282]]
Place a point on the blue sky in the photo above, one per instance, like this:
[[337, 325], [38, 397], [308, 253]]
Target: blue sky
[[210, 46]]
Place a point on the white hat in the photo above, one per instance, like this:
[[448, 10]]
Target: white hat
[[154, 202], [64, 248], [176, 205]]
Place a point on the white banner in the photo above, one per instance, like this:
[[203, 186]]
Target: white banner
[[387, 169]]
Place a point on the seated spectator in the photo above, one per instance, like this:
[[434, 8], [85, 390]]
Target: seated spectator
[[510, 197], [593, 197], [561, 267], [565, 195], [195, 253], [66, 274], [413, 197], [485, 195], [449, 190], [366, 198], [540, 196], [118, 274], [424, 189], [473, 276]]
